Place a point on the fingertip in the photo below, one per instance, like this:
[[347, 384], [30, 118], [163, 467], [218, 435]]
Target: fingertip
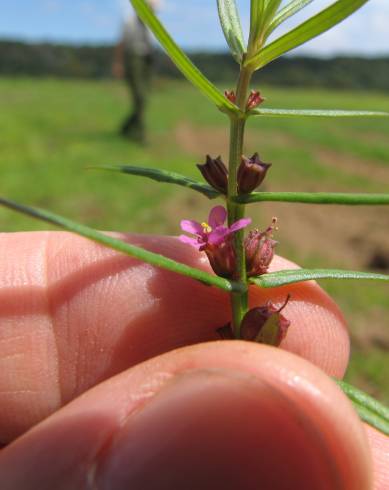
[[223, 414], [379, 445]]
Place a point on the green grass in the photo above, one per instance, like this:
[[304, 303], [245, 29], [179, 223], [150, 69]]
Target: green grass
[[52, 130]]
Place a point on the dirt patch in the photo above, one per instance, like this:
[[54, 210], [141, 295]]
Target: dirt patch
[[376, 336], [199, 141], [215, 141], [345, 236], [368, 169]]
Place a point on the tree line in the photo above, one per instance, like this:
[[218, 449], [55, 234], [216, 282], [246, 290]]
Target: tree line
[[94, 62]]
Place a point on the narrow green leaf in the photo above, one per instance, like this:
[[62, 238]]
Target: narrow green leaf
[[315, 113], [183, 63], [290, 9], [232, 28], [306, 31], [262, 13], [275, 279], [370, 410], [163, 176], [257, 17], [316, 198], [271, 9], [121, 246]]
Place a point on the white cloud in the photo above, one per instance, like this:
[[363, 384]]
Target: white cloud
[[194, 24]]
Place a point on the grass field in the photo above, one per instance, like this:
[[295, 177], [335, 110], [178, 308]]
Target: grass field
[[52, 130]]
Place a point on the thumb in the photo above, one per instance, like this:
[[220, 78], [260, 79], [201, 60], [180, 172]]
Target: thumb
[[225, 415]]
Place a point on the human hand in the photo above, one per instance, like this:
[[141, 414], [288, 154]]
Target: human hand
[[92, 395]]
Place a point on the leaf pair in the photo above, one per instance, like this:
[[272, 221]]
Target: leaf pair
[[265, 17], [311, 28], [166, 176], [232, 29], [274, 279]]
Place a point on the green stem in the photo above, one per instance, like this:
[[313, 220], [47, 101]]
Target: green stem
[[239, 301]]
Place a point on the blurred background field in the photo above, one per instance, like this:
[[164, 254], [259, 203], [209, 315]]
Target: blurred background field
[[52, 130]]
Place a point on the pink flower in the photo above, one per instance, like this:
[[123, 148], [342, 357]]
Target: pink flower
[[212, 233]]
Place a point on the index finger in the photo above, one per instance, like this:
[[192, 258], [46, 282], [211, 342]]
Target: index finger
[[74, 313]]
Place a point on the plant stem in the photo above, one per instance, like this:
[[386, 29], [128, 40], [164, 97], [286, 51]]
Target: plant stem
[[239, 301]]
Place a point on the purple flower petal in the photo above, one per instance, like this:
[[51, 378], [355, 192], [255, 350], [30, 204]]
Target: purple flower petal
[[218, 235], [217, 216], [191, 227], [238, 225], [190, 241]]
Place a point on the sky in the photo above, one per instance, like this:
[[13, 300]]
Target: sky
[[193, 24]]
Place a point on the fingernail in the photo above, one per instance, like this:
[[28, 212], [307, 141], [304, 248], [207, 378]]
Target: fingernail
[[216, 429]]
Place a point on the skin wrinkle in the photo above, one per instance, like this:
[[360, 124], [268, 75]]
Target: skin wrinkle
[[12, 356], [146, 304], [380, 449], [26, 328], [65, 295], [47, 248], [311, 349]]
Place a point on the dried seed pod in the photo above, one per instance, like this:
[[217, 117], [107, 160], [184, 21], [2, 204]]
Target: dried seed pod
[[251, 173], [259, 248], [265, 324], [215, 173]]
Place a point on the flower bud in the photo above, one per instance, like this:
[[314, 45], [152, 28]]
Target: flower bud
[[265, 324], [230, 95], [251, 173], [215, 173], [259, 248], [254, 99]]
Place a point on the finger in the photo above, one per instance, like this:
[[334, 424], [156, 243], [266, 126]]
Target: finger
[[74, 313], [379, 445], [218, 415]]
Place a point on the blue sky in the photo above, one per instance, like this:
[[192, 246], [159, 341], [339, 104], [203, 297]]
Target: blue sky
[[193, 23]]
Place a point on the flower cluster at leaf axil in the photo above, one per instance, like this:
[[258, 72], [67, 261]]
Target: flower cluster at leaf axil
[[215, 239], [263, 324]]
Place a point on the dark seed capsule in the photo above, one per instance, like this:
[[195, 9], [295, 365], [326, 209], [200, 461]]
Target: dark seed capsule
[[251, 173], [215, 173], [265, 324]]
